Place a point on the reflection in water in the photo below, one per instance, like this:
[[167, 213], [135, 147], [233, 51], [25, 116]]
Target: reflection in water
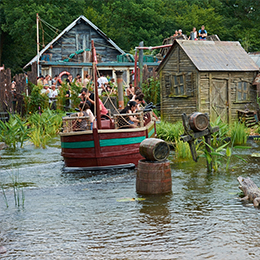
[[155, 210], [84, 215]]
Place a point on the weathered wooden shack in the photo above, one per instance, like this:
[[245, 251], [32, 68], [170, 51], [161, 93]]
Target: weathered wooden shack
[[213, 77], [70, 52]]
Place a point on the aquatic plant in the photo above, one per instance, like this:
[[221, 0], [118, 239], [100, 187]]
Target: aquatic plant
[[182, 149], [168, 131], [5, 199], [14, 131], [218, 138], [44, 126], [213, 156], [19, 197], [239, 133]]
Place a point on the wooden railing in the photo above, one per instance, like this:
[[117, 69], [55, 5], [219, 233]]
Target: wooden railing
[[75, 123]]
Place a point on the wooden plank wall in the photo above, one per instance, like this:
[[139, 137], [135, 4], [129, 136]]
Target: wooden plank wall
[[6, 97], [173, 107], [206, 79], [79, 37]]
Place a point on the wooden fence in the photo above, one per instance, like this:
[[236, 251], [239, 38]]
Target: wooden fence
[[10, 100]]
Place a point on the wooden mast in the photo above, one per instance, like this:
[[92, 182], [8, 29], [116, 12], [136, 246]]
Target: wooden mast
[[38, 45], [94, 57]]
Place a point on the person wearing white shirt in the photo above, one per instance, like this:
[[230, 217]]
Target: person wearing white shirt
[[102, 83], [52, 97]]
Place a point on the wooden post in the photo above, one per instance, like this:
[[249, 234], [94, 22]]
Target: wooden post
[[141, 57], [190, 136], [119, 77], [95, 84]]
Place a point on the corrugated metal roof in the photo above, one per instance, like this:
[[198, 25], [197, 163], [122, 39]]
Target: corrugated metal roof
[[218, 56], [215, 56], [255, 57], [68, 28]]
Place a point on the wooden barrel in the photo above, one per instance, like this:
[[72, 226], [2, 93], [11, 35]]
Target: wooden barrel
[[153, 177], [154, 149], [198, 121]]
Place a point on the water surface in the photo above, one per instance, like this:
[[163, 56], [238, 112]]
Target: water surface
[[70, 215]]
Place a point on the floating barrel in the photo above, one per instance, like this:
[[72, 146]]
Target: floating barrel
[[154, 149], [153, 177], [198, 121]]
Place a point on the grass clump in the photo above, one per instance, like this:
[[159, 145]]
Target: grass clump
[[239, 133], [169, 132]]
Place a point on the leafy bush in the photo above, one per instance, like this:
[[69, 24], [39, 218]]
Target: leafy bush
[[151, 90], [36, 101]]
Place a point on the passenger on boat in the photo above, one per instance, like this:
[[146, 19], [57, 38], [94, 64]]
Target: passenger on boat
[[129, 121], [138, 99], [102, 83], [130, 91], [85, 111]]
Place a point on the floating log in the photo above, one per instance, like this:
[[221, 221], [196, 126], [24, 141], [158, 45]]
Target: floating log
[[153, 177], [154, 149]]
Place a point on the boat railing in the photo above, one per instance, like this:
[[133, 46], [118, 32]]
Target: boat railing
[[75, 123], [123, 120]]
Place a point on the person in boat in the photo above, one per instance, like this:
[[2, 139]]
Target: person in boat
[[102, 83], [85, 111], [129, 121], [85, 95], [88, 96], [130, 91], [138, 99]]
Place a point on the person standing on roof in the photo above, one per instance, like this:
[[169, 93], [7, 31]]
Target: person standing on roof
[[193, 35], [203, 33]]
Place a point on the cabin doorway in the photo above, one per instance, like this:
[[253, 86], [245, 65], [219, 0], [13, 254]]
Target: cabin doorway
[[219, 100]]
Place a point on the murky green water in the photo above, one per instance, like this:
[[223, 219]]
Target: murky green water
[[78, 216]]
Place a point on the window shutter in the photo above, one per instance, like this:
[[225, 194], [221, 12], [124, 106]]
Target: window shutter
[[189, 84]]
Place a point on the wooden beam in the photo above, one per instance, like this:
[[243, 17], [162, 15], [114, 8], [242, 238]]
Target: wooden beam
[[187, 138]]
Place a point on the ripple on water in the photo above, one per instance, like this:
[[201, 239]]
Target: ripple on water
[[70, 215]]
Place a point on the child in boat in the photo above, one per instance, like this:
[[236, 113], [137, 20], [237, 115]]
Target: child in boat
[[129, 121], [85, 111]]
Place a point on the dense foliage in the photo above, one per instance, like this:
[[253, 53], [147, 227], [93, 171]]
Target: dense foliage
[[126, 22]]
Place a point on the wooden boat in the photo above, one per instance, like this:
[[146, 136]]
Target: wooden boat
[[106, 147], [109, 144]]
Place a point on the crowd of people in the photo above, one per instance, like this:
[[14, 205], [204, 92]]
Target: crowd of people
[[51, 88], [194, 35]]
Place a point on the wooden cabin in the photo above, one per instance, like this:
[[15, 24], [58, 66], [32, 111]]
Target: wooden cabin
[[70, 52], [213, 77]]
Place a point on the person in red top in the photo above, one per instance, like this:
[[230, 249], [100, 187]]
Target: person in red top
[[103, 110]]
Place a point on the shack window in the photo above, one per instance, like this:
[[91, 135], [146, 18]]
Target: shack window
[[178, 85], [243, 91]]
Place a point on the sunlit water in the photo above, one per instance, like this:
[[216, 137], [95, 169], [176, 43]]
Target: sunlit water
[[69, 215]]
